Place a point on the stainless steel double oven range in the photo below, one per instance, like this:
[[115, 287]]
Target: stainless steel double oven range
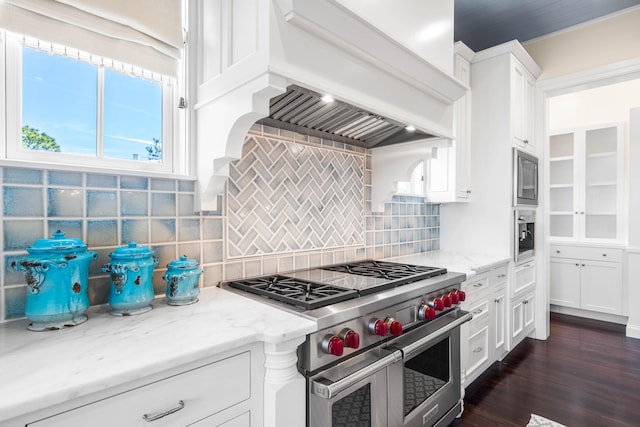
[[387, 349]]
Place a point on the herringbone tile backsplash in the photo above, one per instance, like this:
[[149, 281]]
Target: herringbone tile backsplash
[[296, 201], [285, 196]]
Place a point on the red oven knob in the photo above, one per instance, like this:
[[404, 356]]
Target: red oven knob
[[426, 313], [350, 338], [455, 299], [379, 327], [395, 327], [437, 304], [462, 295], [446, 299], [331, 344]]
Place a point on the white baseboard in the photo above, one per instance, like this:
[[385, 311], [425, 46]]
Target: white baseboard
[[633, 331], [604, 317]]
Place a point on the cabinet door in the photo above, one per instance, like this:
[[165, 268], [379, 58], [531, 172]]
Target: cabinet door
[[499, 320], [529, 313], [462, 118], [562, 188], [524, 278], [479, 350], [601, 286], [522, 88], [564, 282]]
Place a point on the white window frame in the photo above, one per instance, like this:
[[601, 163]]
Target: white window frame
[[174, 147]]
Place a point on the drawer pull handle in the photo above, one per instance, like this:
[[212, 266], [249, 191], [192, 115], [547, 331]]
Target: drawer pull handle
[[557, 252], [604, 254], [500, 276], [477, 349], [497, 300], [478, 285], [478, 311], [149, 418]]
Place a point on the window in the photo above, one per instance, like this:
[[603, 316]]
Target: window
[[67, 106]]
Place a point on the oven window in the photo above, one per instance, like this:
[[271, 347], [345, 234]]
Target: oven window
[[425, 374], [353, 410]]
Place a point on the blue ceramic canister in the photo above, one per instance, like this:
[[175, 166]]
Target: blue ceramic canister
[[57, 274], [183, 281], [131, 271]]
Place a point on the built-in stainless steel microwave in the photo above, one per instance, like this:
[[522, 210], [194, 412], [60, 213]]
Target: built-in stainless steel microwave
[[525, 178]]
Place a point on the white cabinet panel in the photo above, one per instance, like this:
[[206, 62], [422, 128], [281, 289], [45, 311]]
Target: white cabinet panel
[[565, 282], [524, 278], [601, 287], [499, 322], [175, 401], [522, 318], [479, 351], [588, 278]]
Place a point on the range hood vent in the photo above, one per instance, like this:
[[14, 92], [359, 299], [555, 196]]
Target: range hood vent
[[304, 111]]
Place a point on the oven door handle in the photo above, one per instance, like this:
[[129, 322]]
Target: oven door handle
[[418, 345], [328, 389]]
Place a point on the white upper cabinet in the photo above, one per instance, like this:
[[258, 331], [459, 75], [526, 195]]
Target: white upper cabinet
[[522, 109], [586, 184], [448, 172]]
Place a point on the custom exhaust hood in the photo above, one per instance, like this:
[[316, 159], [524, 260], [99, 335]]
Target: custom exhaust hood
[[305, 111], [272, 61]]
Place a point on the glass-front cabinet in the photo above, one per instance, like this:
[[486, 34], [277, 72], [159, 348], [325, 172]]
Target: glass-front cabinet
[[585, 183]]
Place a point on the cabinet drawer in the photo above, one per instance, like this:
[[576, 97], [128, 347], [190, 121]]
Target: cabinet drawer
[[480, 311], [202, 392], [524, 278], [584, 252], [476, 288], [478, 349], [498, 275]]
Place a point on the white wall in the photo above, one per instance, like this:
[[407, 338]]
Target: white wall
[[605, 104], [633, 255]]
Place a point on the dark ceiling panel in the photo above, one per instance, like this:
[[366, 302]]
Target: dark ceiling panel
[[485, 23]]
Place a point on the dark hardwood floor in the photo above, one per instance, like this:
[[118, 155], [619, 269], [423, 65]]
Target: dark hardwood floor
[[586, 374]]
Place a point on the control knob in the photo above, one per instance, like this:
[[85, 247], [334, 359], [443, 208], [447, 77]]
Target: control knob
[[436, 303], [426, 313], [350, 338], [462, 295], [395, 327], [379, 327], [455, 299], [446, 300], [332, 344]]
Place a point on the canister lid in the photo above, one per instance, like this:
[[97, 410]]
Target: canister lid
[[183, 263], [131, 251], [58, 244]]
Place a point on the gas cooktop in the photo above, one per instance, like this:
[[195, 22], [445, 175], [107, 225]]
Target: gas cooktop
[[319, 287]]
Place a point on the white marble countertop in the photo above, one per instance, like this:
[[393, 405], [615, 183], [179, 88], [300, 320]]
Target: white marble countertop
[[459, 262], [41, 369]]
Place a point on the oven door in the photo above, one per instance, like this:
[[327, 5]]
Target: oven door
[[424, 387], [353, 393]]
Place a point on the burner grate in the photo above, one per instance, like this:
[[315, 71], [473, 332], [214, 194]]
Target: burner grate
[[303, 293], [399, 273]]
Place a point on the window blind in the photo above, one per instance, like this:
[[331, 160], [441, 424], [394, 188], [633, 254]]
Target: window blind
[[146, 33]]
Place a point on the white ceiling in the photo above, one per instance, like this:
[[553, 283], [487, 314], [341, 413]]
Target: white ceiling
[[484, 23]]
